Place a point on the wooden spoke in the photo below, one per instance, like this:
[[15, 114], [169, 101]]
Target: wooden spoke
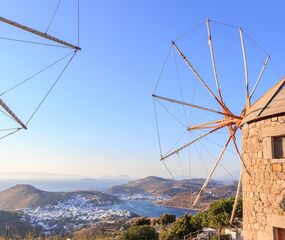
[[190, 143], [39, 33], [213, 124], [194, 106], [236, 198], [245, 68], [13, 115], [212, 172], [259, 76], [188, 63], [232, 133], [210, 43]]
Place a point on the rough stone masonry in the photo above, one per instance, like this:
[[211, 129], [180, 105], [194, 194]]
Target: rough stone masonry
[[264, 190]]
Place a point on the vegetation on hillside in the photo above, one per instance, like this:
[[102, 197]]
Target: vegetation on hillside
[[166, 227]]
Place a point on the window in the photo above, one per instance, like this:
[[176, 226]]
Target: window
[[279, 233], [279, 147]]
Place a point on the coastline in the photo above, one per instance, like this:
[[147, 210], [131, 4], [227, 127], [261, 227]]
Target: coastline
[[169, 206]]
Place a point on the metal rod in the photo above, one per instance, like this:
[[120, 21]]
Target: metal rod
[[13, 115], [236, 198], [194, 106], [189, 143], [259, 76], [245, 67], [210, 43], [188, 63], [212, 172], [39, 33]]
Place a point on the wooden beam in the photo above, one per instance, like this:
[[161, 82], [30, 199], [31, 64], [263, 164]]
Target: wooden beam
[[212, 172], [194, 106], [236, 198], [245, 68], [10, 112], [188, 63], [214, 124], [210, 43], [39, 33], [259, 76], [190, 143]]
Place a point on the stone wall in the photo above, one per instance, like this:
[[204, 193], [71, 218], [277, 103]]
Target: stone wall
[[265, 188]]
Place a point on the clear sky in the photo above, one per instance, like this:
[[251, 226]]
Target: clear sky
[[99, 119]]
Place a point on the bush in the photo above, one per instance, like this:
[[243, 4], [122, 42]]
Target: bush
[[142, 221], [179, 229], [219, 212], [140, 232], [199, 220], [166, 219]]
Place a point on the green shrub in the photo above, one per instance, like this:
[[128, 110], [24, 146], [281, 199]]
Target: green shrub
[[140, 232], [199, 220], [179, 229], [219, 212], [142, 221], [166, 219]]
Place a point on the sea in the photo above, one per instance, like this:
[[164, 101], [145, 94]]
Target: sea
[[144, 208]]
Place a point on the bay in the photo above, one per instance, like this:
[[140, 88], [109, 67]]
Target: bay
[[147, 208]]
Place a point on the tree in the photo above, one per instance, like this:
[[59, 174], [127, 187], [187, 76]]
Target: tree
[[219, 212], [142, 221], [179, 229], [199, 220], [140, 232], [166, 219]]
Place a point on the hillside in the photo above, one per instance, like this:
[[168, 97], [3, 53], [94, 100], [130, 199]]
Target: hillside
[[27, 196], [160, 186], [10, 224], [185, 200]]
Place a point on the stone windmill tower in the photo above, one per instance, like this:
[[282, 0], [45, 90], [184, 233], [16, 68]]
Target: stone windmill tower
[[263, 151]]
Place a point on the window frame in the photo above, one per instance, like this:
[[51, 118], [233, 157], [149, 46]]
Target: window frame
[[268, 135]]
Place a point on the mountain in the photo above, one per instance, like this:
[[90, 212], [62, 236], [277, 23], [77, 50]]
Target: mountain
[[158, 186], [27, 196]]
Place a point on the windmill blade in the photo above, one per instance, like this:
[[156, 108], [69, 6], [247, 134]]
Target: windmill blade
[[39, 33], [236, 198], [13, 115], [245, 68], [212, 172], [210, 43], [188, 63], [212, 124], [189, 143], [194, 106], [237, 150], [259, 76]]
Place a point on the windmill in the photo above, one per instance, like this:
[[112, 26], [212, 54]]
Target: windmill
[[52, 41], [226, 119]]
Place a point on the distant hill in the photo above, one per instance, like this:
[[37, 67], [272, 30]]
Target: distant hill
[[27, 196], [161, 186], [185, 200]]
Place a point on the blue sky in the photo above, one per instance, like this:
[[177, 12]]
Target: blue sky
[[99, 119]]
